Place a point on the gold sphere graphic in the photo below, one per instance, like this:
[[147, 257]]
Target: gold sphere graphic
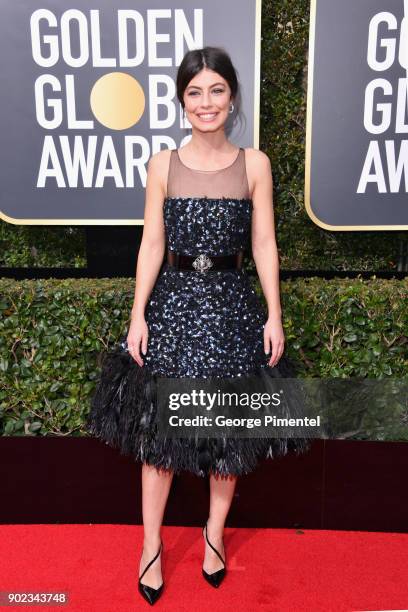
[[117, 100]]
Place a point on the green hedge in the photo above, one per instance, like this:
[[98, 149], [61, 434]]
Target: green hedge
[[302, 244], [51, 333], [34, 246]]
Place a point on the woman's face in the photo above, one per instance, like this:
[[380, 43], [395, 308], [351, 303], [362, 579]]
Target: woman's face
[[207, 100]]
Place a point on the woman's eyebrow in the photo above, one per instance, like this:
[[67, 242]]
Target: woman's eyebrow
[[197, 87]]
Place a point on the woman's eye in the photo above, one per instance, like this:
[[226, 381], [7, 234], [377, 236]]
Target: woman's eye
[[193, 93]]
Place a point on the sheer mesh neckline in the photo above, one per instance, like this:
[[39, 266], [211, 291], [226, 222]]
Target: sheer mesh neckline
[[249, 199], [187, 183], [209, 171]]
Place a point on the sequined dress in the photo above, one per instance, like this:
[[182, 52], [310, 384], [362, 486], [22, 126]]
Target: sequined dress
[[200, 325]]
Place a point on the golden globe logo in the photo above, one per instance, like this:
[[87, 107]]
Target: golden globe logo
[[385, 105], [117, 99]]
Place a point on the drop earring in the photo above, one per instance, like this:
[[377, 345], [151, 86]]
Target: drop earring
[[231, 108]]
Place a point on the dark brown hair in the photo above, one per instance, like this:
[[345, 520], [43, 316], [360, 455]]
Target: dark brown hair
[[214, 58]]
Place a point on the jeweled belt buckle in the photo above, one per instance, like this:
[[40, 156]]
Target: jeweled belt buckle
[[202, 263]]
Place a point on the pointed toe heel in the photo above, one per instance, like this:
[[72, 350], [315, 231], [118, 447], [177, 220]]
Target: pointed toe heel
[[148, 593], [217, 577]]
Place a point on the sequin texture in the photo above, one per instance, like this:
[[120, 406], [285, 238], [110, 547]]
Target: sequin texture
[[205, 323], [215, 226]]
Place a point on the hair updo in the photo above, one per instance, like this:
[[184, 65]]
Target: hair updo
[[214, 58]]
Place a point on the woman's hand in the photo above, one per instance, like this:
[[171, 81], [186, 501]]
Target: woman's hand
[[274, 338], [137, 338]]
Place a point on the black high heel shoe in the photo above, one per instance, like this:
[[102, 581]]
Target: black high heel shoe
[[150, 594], [217, 577]]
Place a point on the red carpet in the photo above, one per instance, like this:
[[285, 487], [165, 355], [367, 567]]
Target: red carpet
[[277, 570]]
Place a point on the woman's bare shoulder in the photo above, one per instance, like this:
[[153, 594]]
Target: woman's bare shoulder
[[159, 161], [258, 166], [256, 158], [158, 166]]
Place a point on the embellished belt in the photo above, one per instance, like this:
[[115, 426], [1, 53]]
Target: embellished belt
[[203, 262]]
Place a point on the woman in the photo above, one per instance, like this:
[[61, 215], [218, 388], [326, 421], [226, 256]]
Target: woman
[[197, 314]]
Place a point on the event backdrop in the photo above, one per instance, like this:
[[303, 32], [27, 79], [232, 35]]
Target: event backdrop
[[357, 120], [88, 94]]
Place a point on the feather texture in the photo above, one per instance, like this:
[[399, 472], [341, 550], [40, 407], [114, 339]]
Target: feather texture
[[124, 411]]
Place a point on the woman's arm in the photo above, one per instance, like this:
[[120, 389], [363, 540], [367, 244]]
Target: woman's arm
[[265, 251], [151, 251]]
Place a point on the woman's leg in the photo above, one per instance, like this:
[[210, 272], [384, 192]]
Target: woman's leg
[[221, 494], [155, 491]]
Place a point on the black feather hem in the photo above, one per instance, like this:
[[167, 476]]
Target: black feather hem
[[123, 411]]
